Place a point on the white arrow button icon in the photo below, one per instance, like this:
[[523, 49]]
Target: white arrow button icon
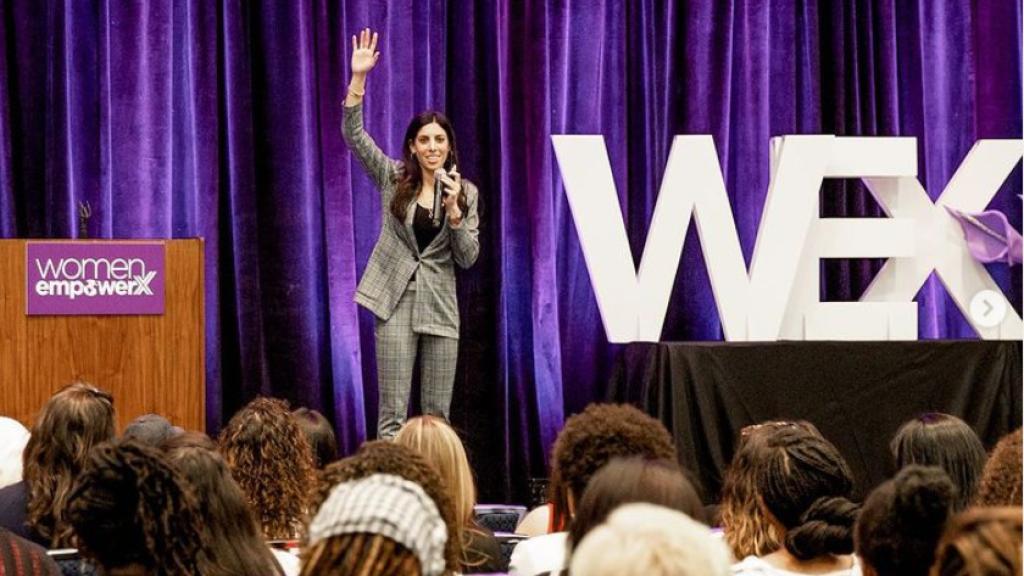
[[988, 308]]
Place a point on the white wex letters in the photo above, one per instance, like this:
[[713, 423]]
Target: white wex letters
[[779, 298]]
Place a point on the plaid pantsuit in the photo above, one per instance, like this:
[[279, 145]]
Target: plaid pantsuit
[[413, 316]]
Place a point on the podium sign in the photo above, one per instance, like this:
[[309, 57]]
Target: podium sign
[[94, 278]]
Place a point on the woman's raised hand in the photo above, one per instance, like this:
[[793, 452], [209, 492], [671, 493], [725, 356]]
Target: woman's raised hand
[[364, 52]]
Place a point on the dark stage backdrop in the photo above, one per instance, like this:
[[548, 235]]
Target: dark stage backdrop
[[220, 119]]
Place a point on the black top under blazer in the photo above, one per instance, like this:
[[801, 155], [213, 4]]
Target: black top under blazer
[[396, 257]]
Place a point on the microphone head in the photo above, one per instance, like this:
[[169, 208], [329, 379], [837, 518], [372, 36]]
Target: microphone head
[[438, 173]]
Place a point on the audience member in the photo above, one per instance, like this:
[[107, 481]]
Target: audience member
[[631, 480], [381, 525], [804, 487], [902, 520], [438, 443], [19, 557], [935, 439], [538, 522], [386, 457], [270, 459], [648, 540], [588, 441], [13, 437], [1001, 478], [234, 543], [134, 514], [73, 421], [150, 429], [981, 542], [320, 436], [744, 526]]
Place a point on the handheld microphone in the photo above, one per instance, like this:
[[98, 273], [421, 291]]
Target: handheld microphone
[[438, 196]]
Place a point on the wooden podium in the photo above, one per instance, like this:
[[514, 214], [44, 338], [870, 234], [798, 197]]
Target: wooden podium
[[149, 363]]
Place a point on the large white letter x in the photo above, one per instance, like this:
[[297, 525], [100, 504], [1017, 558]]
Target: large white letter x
[[940, 240]]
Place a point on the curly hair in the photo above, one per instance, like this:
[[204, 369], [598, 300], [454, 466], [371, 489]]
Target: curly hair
[[132, 507], [591, 439], [902, 521], [359, 553], [744, 526], [384, 457], [234, 543], [271, 460], [1001, 478], [981, 542], [943, 440], [805, 484], [73, 420]]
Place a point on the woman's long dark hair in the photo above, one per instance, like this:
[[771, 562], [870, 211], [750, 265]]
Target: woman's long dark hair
[[943, 440], [629, 480], [235, 545], [410, 178], [74, 420]]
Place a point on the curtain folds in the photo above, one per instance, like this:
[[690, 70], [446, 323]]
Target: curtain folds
[[220, 119]]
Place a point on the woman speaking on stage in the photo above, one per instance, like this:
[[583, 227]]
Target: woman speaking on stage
[[409, 282]]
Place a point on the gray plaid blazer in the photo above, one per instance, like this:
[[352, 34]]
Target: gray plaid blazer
[[396, 256]]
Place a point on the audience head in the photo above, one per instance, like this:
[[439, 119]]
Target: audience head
[[648, 540], [319, 434], [744, 526], [1001, 478], [628, 480], [432, 438], [591, 439], [381, 525], [233, 539], [271, 461], [13, 437], [151, 429], [132, 509], [902, 521], [981, 542], [73, 420], [942, 440], [805, 486], [385, 457]]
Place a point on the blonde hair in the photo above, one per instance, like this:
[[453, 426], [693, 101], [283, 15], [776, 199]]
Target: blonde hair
[[440, 446], [435, 440]]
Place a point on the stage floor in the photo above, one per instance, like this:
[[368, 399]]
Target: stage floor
[[856, 393]]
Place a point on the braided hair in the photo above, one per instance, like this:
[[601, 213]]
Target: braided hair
[[360, 553], [130, 507], [805, 484], [981, 542]]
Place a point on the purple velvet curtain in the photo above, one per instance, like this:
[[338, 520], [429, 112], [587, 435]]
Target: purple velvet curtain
[[221, 119]]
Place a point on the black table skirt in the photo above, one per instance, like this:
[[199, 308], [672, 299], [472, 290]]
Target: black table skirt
[[857, 393]]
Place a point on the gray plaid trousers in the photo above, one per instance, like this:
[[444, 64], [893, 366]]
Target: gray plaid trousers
[[397, 342]]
